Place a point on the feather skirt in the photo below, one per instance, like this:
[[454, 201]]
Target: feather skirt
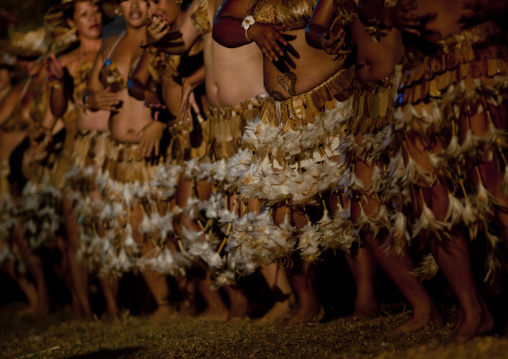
[[449, 130], [126, 181], [288, 160]]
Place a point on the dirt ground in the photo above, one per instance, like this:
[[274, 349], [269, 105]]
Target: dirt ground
[[60, 336]]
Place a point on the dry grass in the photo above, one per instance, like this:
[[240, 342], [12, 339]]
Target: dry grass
[[59, 336]]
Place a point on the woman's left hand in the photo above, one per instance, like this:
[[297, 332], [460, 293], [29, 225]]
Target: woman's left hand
[[150, 138]]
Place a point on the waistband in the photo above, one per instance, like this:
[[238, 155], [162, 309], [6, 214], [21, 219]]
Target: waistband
[[300, 110]]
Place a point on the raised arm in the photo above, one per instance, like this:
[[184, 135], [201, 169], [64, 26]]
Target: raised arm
[[188, 85], [96, 97], [61, 85], [187, 35], [9, 103], [138, 81], [320, 23], [232, 28]]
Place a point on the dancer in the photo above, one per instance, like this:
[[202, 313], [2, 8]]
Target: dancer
[[23, 108], [292, 143], [447, 171], [68, 75], [9, 260], [233, 104], [127, 173], [174, 77]]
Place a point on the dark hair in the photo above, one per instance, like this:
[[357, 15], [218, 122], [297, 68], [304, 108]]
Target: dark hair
[[69, 12]]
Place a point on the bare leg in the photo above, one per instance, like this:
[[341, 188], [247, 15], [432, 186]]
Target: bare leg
[[215, 307], [78, 271], [187, 288], [62, 271], [36, 269], [26, 286], [398, 268], [109, 288], [309, 308], [278, 282], [238, 303], [453, 259], [363, 268], [156, 282]]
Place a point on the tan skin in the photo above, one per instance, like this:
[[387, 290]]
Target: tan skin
[[225, 79], [130, 122], [306, 67], [9, 141], [5, 82], [440, 20], [87, 22], [10, 266], [128, 116], [375, 61], [170, 14]]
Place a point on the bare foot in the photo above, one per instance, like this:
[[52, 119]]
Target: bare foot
[[214, 314], [363, 314], [473, 324], [420, 320], [307, 314], [42, 306], [279, 311], [163, 312], [187, 309], [30, 310]]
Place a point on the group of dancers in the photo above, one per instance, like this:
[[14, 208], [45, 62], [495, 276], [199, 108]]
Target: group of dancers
[[212, 139]]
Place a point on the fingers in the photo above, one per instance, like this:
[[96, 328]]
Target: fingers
[[171, 39], [337, 47], [194, 104], [471, 5], [155, 106], [156, 147]]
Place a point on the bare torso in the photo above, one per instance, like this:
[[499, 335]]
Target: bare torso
[[232, 75], [312, 68], [16, 110]]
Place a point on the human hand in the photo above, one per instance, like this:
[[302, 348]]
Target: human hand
[[269, 39], [188, 102], [150, 138], [333, 42], [152, 101], [404, 18], [156, 26], [54, 68], [481, 11], [103, 100]]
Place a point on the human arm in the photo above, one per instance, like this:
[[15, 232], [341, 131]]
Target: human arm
[[322, 32], [60, 85], [179, 41], [379, 20], [228, 30], [484, 10], [188, 85], [95, 96], [9, 103], [150, 138]]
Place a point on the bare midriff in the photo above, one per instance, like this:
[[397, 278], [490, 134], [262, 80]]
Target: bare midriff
[[233, 76], [312, 68], [132, 117]]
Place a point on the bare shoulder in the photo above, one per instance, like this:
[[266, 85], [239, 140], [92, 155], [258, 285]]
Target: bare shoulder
[[68, 59], [13, 96], [109, 42]]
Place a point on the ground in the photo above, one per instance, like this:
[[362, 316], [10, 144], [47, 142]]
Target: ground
[[61, 336]]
